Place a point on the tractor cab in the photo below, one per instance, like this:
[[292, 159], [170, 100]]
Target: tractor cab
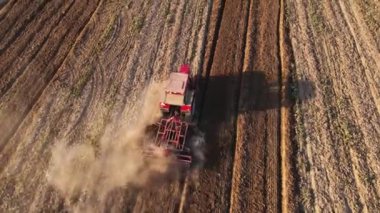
[[179, 93]]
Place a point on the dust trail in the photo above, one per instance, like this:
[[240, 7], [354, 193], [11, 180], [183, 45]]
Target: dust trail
[[198, 147], [85, 174]]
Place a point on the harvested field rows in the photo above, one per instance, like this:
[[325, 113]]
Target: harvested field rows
[[288, 102], [337, 132]]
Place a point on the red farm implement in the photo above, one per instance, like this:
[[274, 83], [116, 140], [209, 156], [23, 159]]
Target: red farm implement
[[174, 128]]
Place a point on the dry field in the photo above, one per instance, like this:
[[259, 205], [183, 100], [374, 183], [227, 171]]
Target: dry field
[[336, 145], [288, 102]]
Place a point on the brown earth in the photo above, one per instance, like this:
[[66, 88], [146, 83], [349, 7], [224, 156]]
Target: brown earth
[[289, 99]]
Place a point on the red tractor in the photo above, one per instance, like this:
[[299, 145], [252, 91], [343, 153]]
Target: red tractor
[[177, 107]]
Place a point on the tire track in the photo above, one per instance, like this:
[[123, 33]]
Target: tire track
[[87, 100], [155, 50], [115, 31], [20, 164], [89, 97], [310, 198]]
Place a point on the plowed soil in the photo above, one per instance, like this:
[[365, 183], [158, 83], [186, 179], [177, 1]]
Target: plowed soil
[[288, 102]]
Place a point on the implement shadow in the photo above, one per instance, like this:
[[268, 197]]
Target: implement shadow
[[221, 98]]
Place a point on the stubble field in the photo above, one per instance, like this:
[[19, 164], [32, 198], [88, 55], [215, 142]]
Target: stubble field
[[288, 102]]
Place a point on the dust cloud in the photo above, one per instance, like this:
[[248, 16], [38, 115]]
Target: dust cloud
[[85, 175], [198, 147]]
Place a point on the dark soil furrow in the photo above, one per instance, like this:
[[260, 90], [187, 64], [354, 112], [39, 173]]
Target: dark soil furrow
[[236, 151], [5, 8], [8, 20], [256, 180], [219, 110], [209, 53]]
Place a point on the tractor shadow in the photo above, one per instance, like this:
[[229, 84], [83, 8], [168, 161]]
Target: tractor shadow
[[222, 100]]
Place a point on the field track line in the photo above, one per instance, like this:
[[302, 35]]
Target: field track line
[[283, 115]]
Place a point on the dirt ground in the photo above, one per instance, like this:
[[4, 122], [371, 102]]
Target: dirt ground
[[288, 102]]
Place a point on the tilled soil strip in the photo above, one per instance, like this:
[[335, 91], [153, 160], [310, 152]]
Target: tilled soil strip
[[211, 191], [256, 170]]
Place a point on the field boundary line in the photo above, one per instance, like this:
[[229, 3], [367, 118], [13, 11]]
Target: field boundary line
[[283, 112]]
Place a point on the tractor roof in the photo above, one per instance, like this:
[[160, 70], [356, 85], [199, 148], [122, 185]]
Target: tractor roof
[[177, 83]]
